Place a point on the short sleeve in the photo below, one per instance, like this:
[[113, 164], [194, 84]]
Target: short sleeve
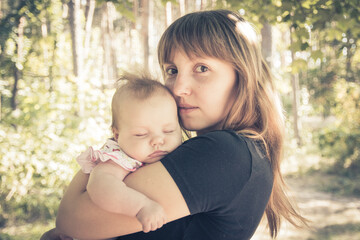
[[210, 169]]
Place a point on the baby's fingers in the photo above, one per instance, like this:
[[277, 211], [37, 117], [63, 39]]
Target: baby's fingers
[[163, 220], [147, 227], [154, 224], [159, 223]]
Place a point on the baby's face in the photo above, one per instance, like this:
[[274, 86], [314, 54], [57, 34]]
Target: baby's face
[[149, 129]]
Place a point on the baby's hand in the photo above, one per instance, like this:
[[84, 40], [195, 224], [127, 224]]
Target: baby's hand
[[151, 216]]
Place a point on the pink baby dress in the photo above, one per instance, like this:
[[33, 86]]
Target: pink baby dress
[[110, 151]]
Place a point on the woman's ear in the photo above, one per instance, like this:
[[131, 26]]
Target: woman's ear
[[115, 133]]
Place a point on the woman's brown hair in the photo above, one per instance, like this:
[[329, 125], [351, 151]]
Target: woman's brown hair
[[257, 112]]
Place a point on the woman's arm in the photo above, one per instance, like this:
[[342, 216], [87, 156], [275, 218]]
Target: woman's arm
[[79, 217]]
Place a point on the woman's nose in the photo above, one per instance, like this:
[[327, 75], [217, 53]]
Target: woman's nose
[[181, 86]]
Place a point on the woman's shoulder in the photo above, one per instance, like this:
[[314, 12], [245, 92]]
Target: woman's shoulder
[[233, 140], [220, 136], [220, 140], [216, 149]]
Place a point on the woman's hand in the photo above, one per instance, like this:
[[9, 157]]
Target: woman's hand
[[54, 234]]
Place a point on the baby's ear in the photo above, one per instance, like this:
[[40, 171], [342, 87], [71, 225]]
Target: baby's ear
[[115, 133]]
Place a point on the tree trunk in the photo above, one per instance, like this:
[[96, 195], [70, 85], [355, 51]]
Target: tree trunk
[[350, 76], [13, 102], [89, 14], [1, 12], [168, 13], [136, 9], [107, 27], [20, 42], [105, 42], [182, 4], [20, 56], [202, 4], [51, 67], [145, 32], [266, 43], [0, 54], [295, 101], [113, 47], [74, 11]]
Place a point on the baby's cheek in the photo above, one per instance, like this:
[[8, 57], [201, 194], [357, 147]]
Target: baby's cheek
[[135, 150], [177, 142]]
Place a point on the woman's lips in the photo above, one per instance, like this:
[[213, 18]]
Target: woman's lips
[[185, 108]]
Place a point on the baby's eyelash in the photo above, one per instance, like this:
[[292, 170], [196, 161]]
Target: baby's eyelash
[[169, 131], [140, 135]]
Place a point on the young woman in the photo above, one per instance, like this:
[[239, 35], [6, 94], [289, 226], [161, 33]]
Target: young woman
[[219, 184]]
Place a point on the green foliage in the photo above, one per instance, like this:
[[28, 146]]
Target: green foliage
[[342, 141], [325, 41], [39, 142], [55, 118]]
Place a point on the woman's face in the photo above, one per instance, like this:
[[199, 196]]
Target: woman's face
[[203, 88]]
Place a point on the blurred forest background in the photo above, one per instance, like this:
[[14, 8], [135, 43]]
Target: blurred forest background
[[59, 59]]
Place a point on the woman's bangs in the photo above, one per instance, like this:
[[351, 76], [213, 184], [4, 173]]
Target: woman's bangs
[[197, 38], [193, 36], [200, 35], [195, 45]]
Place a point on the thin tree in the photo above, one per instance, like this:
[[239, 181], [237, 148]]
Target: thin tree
[[266, 42], [182, 4], [0, 9], [168, 13], [295, 100], [75, 29], [18, 63], [89, 14], [107, 39], [144, 11]]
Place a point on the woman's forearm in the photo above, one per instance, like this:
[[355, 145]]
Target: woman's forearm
[[79, 217]]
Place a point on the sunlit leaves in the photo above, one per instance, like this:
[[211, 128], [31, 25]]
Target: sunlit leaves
[[298, 65], [342, 140]]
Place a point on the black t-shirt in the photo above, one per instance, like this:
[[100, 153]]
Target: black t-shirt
[[226, 181]]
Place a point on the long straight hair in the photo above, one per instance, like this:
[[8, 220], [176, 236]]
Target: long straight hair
[[256, 112]]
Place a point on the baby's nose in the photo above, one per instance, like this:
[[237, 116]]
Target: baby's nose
[[157, 141]]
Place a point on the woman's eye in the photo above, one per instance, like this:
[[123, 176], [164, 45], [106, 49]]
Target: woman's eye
[[171, 71], [201, 69]]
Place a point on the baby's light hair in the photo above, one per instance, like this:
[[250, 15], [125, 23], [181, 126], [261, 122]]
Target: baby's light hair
[[138, 87]]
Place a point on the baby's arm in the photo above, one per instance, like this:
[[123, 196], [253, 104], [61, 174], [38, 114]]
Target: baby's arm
[[107, 190]]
